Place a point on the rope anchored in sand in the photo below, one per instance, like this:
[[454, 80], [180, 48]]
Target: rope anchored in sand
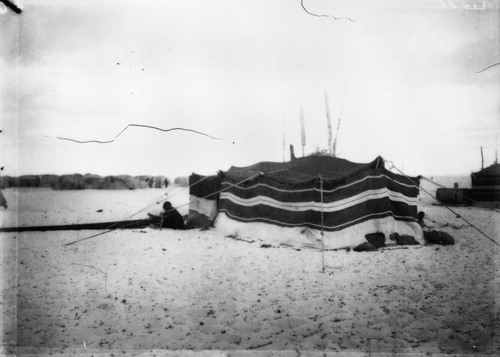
[[455, 213], [186, 204]]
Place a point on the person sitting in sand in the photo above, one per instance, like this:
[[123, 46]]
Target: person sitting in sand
[[421, 216], [169, 218], [434, 237]]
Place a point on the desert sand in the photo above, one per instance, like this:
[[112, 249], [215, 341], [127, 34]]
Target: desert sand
[[139, 290]]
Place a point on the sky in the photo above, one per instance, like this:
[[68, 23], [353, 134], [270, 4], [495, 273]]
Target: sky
[[406, 78]]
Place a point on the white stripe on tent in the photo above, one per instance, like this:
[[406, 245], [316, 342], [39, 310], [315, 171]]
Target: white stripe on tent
[[317, 226], [325, 191], [316, 206]]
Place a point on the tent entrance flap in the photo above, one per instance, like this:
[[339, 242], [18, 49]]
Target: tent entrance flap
[[203, 198]]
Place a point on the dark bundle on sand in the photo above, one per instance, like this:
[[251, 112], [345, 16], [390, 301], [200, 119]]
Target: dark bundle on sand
[[438, 237], [376, 239], [403, 239], [365, 247]]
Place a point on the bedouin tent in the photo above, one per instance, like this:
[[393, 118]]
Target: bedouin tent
[[486, 184], [292, 203]]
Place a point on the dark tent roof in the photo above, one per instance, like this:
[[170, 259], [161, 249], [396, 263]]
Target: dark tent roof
[[488, 180], [493, 170], [303, 169]]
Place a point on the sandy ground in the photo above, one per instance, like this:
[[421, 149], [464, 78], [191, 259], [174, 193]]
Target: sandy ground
[[144, 289]]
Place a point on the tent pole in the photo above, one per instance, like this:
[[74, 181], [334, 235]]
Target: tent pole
[[322, 230]]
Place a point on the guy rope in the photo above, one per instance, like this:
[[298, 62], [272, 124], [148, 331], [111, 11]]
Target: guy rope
[[455, 213], [173, 208]]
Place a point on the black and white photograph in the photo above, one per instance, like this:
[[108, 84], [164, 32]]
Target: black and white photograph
[[249, 177]]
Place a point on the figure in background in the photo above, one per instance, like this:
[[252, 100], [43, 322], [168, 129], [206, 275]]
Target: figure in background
[[434, 237], [421, 216], [3, 201]]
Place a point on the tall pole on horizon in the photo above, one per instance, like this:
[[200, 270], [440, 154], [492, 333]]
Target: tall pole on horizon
[[482, 158], [283, 128], [302, 130], [283, 146], [338, 124], [329, 125], [496, 151]]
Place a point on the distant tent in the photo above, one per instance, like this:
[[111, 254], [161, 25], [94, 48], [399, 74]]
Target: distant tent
[[291, 203], [92, 181], [182, 181], [486, 184], [70, 182], [48, 181], [28, 181], [122, 182], [7, 182]]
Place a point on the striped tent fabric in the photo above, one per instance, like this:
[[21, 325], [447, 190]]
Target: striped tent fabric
[[292, 203]]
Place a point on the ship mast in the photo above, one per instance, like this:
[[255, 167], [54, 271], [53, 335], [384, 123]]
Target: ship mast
[[302, 130], [482, 158], [496, 151], [329, 125], [338, 126]]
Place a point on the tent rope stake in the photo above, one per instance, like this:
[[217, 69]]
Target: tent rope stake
[[455, 213]]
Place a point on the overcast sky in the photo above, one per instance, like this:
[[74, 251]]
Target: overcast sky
[[401, 74]]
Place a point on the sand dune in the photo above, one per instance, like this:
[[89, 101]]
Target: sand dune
[[149, 289]]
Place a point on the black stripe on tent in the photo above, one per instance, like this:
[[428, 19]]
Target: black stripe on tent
[[317, 226], [269, 214]]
